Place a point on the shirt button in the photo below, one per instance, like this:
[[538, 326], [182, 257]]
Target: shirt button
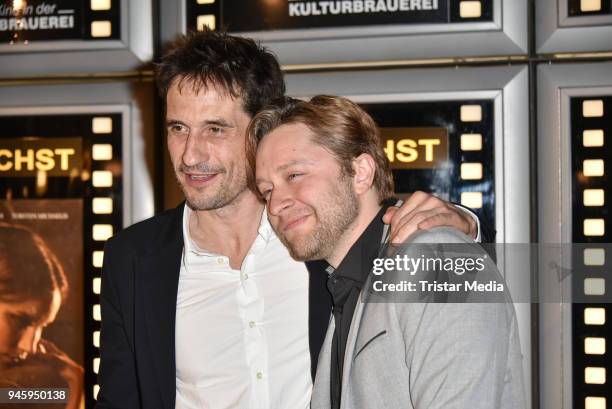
[[245, 276], [252, 324], [220, 260], [259, 375]]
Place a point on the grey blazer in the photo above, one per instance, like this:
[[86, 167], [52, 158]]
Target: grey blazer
[[427, 355]]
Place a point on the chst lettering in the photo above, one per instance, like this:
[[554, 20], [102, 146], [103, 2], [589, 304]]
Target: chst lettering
[[35, 159], [408, 150]]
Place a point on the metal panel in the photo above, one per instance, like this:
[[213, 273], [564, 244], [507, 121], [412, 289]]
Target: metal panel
[[64, 57], [556, 85], [505, 35], [558, 32]]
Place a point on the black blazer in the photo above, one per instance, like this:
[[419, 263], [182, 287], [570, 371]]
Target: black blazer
[[138, 300]]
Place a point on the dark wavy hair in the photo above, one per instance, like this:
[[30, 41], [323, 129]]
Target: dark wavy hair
[[238, 65], [28, 268]]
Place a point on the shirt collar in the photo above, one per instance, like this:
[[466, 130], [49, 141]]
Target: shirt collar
[[264, 231], [265, 228], [357, 263]]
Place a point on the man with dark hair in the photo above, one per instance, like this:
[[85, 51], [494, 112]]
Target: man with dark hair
[[321, 169], [202, 306]]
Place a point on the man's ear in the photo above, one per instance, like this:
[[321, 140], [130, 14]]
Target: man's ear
[[365, 169]]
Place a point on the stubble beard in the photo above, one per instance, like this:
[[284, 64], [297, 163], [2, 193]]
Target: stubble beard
[[335, 215], [206, 198]]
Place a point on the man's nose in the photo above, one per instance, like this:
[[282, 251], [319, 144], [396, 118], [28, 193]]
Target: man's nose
[[196, 150], [280, 200]]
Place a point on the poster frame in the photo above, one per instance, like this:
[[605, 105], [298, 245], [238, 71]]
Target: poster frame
[[132, 51], [124, 98], [558, 32], [557, 84]]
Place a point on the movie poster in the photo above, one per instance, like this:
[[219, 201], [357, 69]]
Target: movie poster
[[41, 297]]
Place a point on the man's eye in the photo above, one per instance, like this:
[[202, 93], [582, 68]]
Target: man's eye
[[294, 175], [217, 130], [177, 128]]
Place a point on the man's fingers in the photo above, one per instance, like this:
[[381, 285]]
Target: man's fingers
[[413, 202], [437, 220], [408, 225], [403, 233], [414, 217], [410, 206], [452, 219], [389, 214], [447, 219]]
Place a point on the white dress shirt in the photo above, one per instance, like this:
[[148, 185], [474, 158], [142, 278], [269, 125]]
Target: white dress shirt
[[242, 335]]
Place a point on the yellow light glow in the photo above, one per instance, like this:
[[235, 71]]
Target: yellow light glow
[[590, 5], [96, 284], [41, 182], [98, 5], [206, 1], [594, 375], [470, 9], [102, 151], [594, 286], [102, 124], [594, 316], [96, 365], [96, 390], [471, 142], [102, 205], [472, 199], [96, 339], [206, 20], [592, 138], [102, 232], [471, 113], [102, 28], [471, 171], [102, 178], [594, 227], [594, 402], [594, 257], [97, 258], [592, 108], [593, 197], [18, 4], [594, 346], [97, 314], [593, 167]]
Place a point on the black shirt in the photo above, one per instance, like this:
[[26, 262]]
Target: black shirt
[[319, 308], [344, 285]]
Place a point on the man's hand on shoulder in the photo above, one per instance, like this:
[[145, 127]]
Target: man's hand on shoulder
[[422, 211]]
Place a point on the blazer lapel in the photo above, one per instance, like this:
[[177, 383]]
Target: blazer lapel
[[350, 347], [157, 277], [361, 331], [321, 393]]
